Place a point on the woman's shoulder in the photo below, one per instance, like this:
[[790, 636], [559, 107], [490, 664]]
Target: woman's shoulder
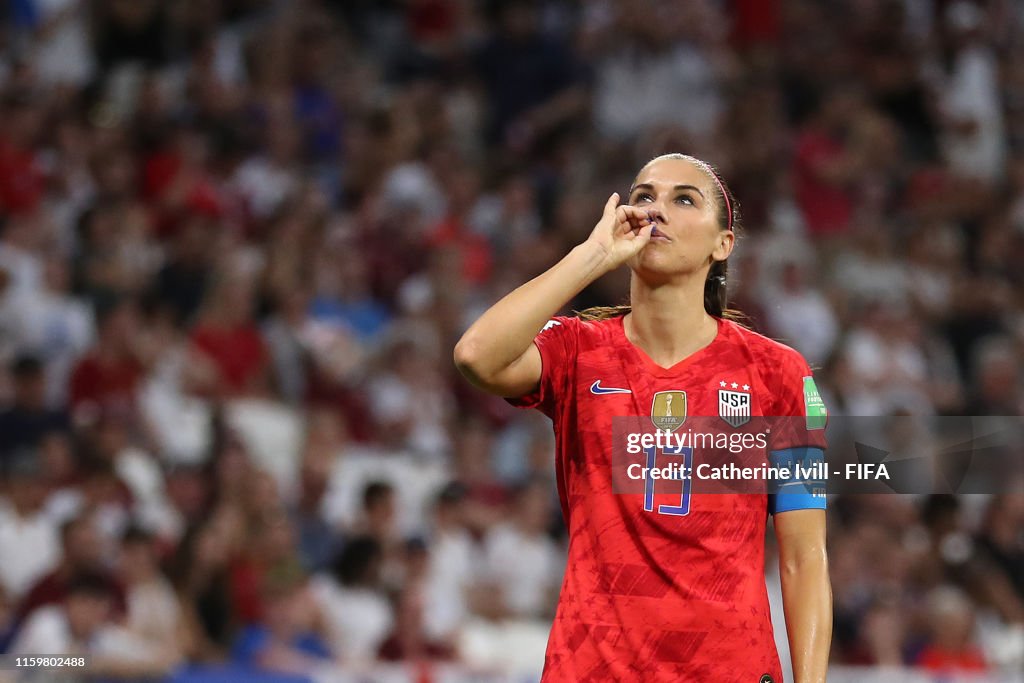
[[584, 324], [764, 349], [599, 331]]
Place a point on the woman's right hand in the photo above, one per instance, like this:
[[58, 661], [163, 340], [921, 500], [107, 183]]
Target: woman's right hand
[[621, 233], [497, 353]]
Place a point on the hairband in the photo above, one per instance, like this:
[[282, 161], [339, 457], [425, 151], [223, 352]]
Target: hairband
[[725, 196]]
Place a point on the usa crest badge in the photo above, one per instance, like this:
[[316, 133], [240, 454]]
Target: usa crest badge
[[668, 410], [734, 407]]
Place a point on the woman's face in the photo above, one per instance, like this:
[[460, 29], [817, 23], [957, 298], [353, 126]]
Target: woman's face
[[683, 202]]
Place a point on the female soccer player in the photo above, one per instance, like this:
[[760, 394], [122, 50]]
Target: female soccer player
[[666, 592]]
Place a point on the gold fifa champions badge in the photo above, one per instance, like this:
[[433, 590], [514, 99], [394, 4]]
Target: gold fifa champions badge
[[668, 411]]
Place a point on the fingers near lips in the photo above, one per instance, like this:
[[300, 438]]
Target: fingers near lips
[[635, 218], [643, 236]]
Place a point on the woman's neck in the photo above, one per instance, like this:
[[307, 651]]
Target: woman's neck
[[668, 322]]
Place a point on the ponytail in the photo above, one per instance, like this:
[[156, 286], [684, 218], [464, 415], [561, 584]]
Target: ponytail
[[595, 313], [716, 294]]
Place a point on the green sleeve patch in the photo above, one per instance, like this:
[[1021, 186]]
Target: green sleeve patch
[[814, 407]]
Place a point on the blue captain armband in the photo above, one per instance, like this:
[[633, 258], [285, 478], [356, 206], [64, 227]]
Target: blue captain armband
[[805, 487]]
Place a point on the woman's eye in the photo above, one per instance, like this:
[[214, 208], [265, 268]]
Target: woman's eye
[[685, 199], [643, 197]]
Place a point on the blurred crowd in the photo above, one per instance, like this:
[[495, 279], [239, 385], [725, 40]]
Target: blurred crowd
[[239, 238]]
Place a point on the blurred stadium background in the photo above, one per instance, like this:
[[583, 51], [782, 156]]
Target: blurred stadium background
[[240, 237]]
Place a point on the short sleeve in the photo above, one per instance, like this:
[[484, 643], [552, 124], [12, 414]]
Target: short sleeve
[[557, 342], [799, 416], [797, 441]]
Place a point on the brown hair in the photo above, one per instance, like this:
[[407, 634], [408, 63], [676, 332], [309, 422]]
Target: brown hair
[[716, 294]]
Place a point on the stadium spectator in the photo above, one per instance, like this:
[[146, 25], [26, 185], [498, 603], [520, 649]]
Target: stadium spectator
[[107, 377], [950, 648], [798, 312], [523, 563], [225, 332], [72, 623], [269, 550], [286, 639], [377, 517], [882, 638], [974, 132], [54, 324], [29, 539], [82, 552], [318, 541], [21, 168], [826, 166], [487, 499], [356, 613], [202, 577], [1001, 538], [28, 419], [454, 567], [153, 611], [409, 641]]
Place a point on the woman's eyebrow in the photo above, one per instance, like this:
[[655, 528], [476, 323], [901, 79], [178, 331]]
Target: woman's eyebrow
[[696, 189], [677, 188]]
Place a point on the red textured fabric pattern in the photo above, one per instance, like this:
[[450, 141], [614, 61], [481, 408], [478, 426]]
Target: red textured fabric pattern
[[651, 596]]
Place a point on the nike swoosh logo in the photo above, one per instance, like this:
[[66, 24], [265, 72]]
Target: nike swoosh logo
[[596, 388]]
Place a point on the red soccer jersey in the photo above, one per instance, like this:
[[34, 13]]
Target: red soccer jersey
[[661, 594]]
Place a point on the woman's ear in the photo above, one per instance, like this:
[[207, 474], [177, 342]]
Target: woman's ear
[[726, 241]]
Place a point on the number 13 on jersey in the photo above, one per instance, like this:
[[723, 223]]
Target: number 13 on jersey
[[682, 457]]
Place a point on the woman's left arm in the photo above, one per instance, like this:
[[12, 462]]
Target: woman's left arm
[[806, 591]]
